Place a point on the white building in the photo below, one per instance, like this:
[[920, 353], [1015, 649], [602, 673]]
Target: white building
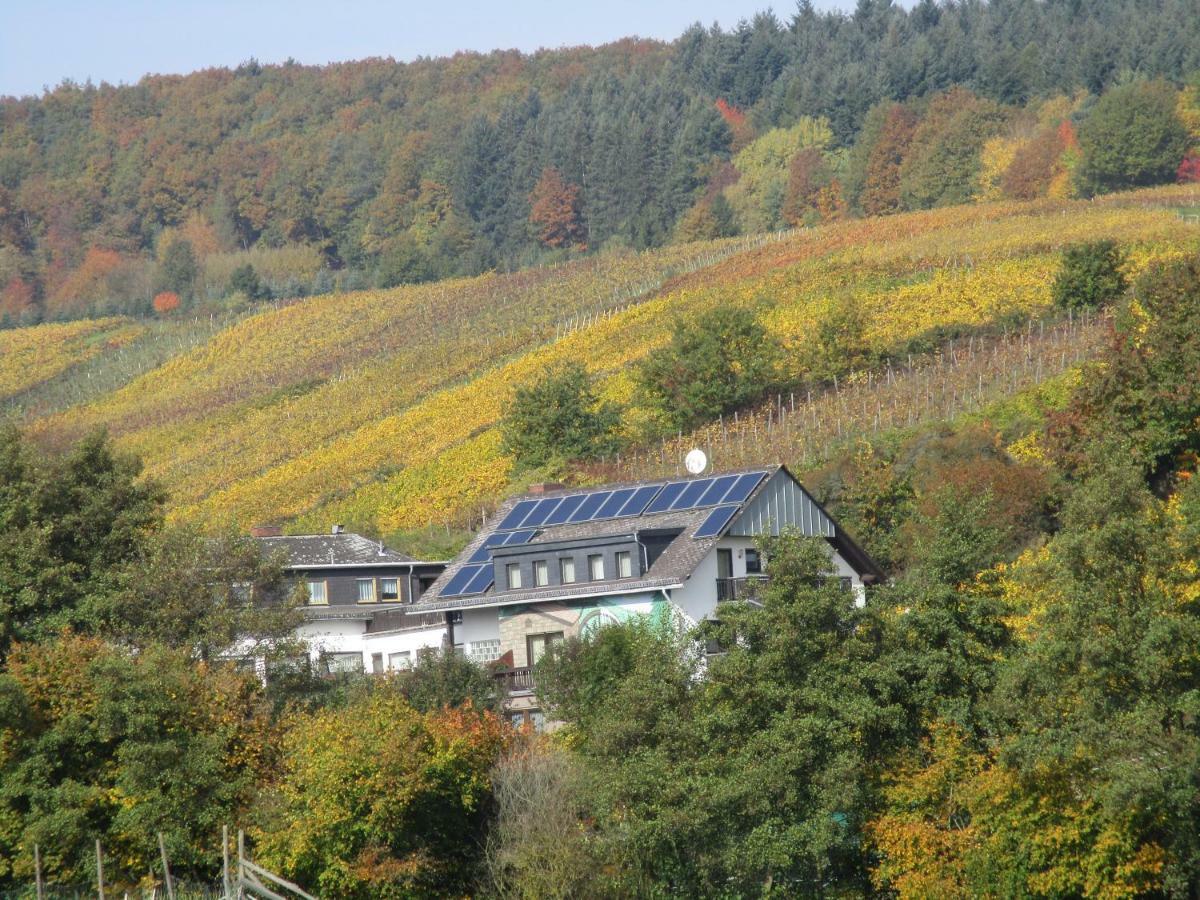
[[558, 562]]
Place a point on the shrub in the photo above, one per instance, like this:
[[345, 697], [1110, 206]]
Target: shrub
[[166, 302], [1090, 276], [559, 418], [245, 280], [722, 360]]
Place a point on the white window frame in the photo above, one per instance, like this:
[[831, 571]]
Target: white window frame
[[512, 575], [324, 592]]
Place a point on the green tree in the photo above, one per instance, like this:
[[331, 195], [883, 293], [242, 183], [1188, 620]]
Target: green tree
[[177, 270], [244, 280], [557, 418], [444, 678], [1141, 397], [375, 799], [1133, 137], [1090, 276], [719, 361]]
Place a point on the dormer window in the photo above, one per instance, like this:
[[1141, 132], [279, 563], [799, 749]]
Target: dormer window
[[317, 595], [624, 564], [512, 574], [541, 572], [596, 567], [566, 570], [389, 588]]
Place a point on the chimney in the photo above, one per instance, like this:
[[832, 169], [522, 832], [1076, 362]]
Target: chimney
[[261, 531], [543, 487], [336, 529]]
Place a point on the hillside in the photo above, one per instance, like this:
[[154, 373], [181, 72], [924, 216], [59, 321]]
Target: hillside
[[379, 408], [295, 180]]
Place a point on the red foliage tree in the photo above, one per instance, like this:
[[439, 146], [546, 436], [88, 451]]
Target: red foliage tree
[[743, 131], [166, 302], [16, 300], [1189, 170], [555, 210], [881, 186]]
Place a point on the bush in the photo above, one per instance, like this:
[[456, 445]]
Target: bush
[[722, 360], [559, 418], [245, 280], [1090, 276]]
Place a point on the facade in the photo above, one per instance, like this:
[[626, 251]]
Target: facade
[[558, 563], [359, 615]]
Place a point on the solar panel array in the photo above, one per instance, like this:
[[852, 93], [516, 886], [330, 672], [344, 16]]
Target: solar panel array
[[720, 492]]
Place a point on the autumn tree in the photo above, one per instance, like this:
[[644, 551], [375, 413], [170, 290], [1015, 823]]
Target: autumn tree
[[554, 210], [376, 799], [165, 302], [178, 268], [880, 192], [813, 194]]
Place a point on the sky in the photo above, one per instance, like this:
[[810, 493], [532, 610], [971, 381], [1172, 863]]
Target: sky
[[43, 42]]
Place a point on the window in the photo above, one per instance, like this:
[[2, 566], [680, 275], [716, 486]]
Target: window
[[624, 564], [455, 617], [753, 563], [485, 651], [541, 572], [376, 663], [566, 570], [512, 574], [343, 663], [596, 567], [400, 661], [366, 590], [317, 594], [538, 644], [389, 589]]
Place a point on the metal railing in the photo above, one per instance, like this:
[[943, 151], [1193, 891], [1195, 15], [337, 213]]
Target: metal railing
[[744, 588], [403, 619]]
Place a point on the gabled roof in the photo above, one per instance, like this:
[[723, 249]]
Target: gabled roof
[[314, 551], [525, 522]]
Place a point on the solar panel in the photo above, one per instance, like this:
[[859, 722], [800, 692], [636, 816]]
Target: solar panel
[[640, 500], [664, 500], [612, 506], [691, 494], [716, 520], [563, 511], [484, 553], [540, 512], [744, 488], [461, 578], [587, 509], [480, 582], [517, 515], [518, 537], [717, 490]]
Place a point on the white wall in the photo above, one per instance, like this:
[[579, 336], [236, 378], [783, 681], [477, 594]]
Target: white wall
[[698, 596]]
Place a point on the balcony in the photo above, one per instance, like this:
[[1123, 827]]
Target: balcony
[[747, 588], [515, 681], [400, 619]]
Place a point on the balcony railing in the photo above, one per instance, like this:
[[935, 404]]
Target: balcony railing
[[400, 619], [739, 588], [515, 681]]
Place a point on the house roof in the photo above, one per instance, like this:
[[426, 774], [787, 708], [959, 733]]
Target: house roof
[[671, 569], [317, 551]]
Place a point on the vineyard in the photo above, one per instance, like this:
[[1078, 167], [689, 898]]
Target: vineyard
[[378, 408]]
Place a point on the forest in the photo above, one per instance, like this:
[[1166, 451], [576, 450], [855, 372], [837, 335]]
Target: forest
[[223, 188]]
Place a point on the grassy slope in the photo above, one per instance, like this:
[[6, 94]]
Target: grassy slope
[[378, 408]]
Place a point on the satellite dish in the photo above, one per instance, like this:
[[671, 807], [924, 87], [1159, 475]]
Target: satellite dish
[[695, 462]]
